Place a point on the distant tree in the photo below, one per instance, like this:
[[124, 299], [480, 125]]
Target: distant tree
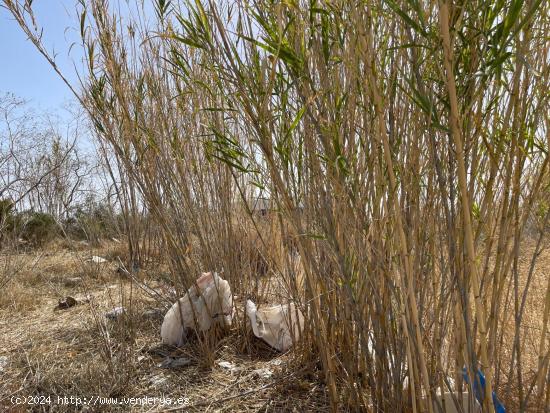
[[40, 170]]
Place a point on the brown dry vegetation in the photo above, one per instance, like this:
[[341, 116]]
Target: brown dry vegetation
[[67, 352], [78, 352], [404, 146]]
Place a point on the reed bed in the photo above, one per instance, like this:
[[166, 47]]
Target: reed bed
[[403, 146]]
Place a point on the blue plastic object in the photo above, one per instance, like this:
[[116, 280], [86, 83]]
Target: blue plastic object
[[499, 408]]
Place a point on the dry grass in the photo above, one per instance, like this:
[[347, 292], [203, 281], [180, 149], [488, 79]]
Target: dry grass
[[64, 352]]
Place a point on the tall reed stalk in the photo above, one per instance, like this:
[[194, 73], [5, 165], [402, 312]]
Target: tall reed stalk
[[404, 146]]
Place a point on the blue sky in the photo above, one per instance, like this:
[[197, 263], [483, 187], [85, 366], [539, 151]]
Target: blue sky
[[25, 72]]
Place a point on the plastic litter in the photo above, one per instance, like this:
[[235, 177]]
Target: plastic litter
[[209, 302], [263, 373], [232, 367], [446, 402], [115, 313], [479, 393], [279, 325]]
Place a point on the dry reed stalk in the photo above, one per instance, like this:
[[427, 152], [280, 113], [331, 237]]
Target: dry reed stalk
[[406, 174]]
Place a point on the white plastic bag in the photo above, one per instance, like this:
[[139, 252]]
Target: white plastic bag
[[446, 399], [210, 304], [279, 325]]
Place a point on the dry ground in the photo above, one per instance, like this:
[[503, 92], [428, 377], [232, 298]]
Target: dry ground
[[78, 352]]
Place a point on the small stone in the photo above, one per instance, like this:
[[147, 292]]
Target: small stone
[[66, 302], [115, 313], [72, 281], [3, 363]]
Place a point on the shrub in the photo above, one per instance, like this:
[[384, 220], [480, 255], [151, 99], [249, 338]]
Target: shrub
[[37, 227], [6, 209]]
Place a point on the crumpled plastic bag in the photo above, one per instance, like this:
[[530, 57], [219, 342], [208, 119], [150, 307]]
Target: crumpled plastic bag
[[499, 407], [210, 304], [279, 326]]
